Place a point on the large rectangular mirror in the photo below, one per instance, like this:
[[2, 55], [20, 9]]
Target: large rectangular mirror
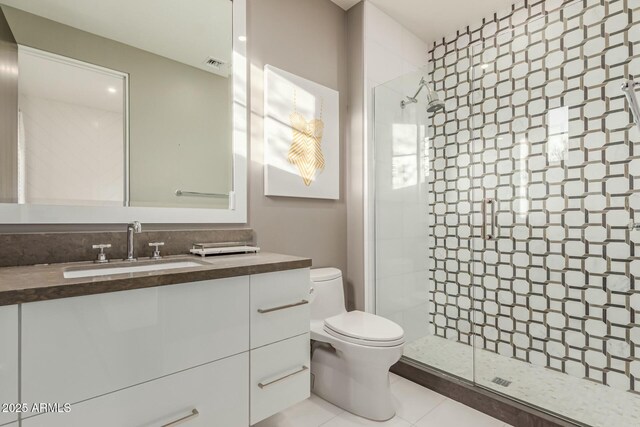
[[117, 110]]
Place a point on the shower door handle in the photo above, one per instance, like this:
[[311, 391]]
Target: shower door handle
[[492, 213]]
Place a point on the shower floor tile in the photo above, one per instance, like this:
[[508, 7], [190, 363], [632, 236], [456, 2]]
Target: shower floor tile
[[579, 399]]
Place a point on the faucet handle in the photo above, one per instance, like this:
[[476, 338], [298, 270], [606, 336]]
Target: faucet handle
[[102, 257], [156, 252]]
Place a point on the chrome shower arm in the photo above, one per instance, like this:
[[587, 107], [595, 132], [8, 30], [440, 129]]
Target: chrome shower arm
[[413, 99], [421, 85], [629, 87]]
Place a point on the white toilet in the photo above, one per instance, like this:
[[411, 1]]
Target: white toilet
[[352, 352]]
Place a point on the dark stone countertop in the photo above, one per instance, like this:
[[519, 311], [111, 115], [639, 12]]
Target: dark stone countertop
[[45, 282]]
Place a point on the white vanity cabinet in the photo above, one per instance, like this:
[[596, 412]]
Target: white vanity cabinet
[[279, 341], [8, 360], [279, 376], [225, 352], [217, 392], [279, 306], [74, 349]]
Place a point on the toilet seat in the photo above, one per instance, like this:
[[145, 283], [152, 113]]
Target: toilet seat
[[358, 327]]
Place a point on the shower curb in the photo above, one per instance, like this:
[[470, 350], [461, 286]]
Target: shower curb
[[479, 398]]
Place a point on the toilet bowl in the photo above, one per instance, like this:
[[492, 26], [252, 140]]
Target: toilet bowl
[[352, 351]]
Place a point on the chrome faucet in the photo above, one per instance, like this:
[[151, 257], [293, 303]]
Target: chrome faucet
[[132, 228]]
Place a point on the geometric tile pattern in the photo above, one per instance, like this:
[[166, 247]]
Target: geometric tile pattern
[[536, 120]]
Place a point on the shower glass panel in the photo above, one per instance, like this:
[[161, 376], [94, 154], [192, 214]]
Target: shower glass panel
[[401, 206], [509, 256], [420, 284], [554, 158]]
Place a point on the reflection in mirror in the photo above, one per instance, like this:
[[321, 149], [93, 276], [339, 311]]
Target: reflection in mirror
[[71, 132], [118, 103]]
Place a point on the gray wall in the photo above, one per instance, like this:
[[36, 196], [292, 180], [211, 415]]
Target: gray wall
[[355, 154], [8, 114], [308, 39], [180, 115]]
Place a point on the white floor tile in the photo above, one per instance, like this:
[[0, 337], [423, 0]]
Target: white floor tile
[[312, 412], [412, 400], [349, 420], [453, 414], [417, 407], [393, 377]]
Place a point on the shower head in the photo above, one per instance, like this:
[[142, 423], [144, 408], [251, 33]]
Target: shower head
[[434, 103]]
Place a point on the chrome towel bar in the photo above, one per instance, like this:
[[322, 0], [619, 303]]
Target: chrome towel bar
[[198, 193]]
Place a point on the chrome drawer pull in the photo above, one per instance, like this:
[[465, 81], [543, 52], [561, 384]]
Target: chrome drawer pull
[[189, 417], [282, 307], [263, 385]]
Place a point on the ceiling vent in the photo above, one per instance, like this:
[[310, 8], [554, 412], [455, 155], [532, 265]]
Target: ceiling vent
[[214, 63]]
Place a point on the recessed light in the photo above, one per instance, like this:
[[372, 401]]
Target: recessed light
[[111, 90], [484, 66], [242, 38]]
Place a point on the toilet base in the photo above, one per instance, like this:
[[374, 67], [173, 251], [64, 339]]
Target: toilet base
[[358, 384]]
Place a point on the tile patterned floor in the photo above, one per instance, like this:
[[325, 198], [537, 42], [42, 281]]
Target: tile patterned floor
[[417, 407], [579, 399]]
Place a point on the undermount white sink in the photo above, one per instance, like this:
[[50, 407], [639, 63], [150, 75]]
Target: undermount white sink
[[125, 269]]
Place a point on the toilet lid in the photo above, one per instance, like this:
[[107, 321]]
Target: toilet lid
[[324, 274], [365, 329]]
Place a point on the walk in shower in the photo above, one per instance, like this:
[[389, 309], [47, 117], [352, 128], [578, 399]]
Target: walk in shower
[[507, 223]]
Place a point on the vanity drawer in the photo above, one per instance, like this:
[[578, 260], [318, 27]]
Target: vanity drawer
[[8, 360], [279, 376], [279, 306], [218, 391], [78, 348]]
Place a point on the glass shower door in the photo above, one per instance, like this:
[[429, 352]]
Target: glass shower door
[[556, 173], [422, 227]]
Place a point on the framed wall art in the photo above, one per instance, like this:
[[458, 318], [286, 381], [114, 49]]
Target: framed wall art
[[301, 132]]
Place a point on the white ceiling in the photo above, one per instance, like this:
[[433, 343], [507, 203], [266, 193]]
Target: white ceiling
[[185, 31], [433, 19]]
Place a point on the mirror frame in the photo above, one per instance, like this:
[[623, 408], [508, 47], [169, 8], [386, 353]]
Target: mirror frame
[[13, 213]]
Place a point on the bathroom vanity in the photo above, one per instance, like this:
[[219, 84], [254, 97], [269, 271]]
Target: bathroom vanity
[[204, 342], [224, 343]]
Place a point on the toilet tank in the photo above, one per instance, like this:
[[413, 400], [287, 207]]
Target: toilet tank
[[327, 295]]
